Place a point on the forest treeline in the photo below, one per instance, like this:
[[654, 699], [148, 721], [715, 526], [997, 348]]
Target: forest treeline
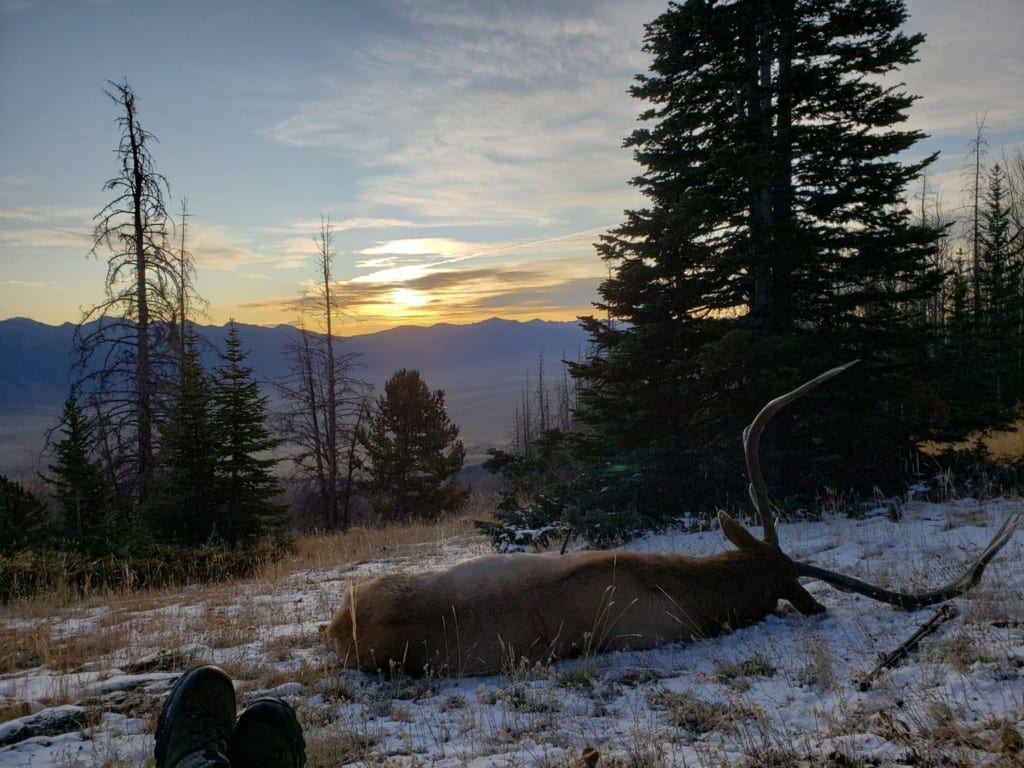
[[788, 227], [164, 471]]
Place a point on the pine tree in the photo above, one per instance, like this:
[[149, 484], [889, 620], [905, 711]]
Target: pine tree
[[82, 495], [960, 356], [413, 452], [245, 480], [999, 284], [24, 522], [776, 243], [185, 507]]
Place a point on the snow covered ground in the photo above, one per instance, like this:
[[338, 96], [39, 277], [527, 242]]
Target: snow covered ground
[[82, 685]]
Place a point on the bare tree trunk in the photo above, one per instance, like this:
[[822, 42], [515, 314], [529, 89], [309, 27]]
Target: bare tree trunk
[[350, 470], [565, 404], [978, 145], [326, 265], [183, 281], [143, 383], [527, 422], [119, 357], [543, 409], [323, 395], [313, 409]]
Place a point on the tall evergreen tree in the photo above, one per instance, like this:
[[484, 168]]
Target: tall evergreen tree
[[1001, 287], [959, 354], [82, 494], [185, 507], [245, 480], [776, 243], [413, 452], [24, 522]]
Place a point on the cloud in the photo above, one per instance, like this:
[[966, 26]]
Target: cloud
[[491, 112], [422, 246], [472, 289], [486, 114], [222, 249], [26, 284], [310, 227], [46, 237], [965, 68], [46, 227], [557, 288]]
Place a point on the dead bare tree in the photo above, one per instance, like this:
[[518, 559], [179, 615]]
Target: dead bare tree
[[481, 614], [323, 398], [188, 302], [122, 344], [978, 146]]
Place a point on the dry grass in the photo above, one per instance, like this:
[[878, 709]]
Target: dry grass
[[1006, 445], [757, 665], [49, 643], [361, 545], [263, 631], [69, 634], [695, 715]]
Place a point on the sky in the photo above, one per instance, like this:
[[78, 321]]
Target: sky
[[468, 153]]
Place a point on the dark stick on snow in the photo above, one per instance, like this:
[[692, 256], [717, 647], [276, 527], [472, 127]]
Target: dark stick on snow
[[944, 614]]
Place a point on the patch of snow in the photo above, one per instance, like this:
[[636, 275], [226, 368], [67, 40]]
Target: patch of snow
[[786, 687]]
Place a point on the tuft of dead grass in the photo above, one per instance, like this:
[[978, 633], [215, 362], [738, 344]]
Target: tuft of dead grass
[[360, 545], [959, 652], [757, 665], [816, 667], [341, 747], [695, 715]]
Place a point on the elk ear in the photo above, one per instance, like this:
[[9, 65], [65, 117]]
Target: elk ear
[[736, 533]]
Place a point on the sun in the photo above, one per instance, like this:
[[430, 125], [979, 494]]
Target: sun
[[408, 297]]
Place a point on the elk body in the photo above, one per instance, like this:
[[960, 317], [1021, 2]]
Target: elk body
[[484, 614], [497, 609]]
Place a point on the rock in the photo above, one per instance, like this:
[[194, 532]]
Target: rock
[[47, 722]]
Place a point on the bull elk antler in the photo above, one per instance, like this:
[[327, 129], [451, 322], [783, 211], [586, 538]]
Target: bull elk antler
[[759, 498], [479, 615]]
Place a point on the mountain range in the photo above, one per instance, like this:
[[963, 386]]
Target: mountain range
[[483, 369]]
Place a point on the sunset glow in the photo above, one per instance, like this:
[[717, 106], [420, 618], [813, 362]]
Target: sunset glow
[[404, 297], [468, 156]]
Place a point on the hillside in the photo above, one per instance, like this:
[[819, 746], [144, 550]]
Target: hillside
[[482, 367], [83, 682]]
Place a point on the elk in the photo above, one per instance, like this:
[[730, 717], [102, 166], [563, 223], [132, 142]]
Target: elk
[[481, 615]]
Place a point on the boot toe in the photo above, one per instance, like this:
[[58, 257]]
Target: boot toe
[[268, 735], [197, 718]]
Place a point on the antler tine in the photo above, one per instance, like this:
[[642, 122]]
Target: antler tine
[[912, 601], [752, 442]]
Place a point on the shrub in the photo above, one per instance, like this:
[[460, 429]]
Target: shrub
[[24, 519]]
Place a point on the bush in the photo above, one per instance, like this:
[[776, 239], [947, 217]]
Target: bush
[[29, 573], [24, 519], [605, 508]]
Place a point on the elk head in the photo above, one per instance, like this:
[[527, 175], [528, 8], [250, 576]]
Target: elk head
[[906, 601], [478, 616]]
